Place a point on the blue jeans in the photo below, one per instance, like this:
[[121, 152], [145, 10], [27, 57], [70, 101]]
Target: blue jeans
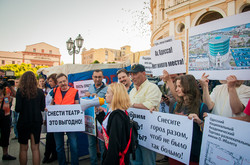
[[143, 156], [16, 116], [59, 138], [92, 149]]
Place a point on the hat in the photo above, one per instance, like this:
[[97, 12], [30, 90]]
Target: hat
[[137, 68]]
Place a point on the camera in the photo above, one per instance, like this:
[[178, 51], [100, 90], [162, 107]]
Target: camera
[[7, 79]]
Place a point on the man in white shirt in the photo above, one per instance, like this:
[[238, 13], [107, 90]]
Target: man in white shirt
[[147, 96], [228, 99]]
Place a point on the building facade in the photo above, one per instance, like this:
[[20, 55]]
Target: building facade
[[36, 54], [175, 17], [107, 55]]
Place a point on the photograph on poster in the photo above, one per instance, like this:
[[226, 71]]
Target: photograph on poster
[[225, 50]]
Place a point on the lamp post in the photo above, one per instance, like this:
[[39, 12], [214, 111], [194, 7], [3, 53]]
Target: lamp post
[[71, 46]]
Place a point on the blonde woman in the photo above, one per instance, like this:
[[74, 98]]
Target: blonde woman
[[116, 130]]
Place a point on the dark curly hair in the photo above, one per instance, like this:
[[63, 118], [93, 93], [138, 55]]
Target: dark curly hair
[[28, 85], [191, 90]]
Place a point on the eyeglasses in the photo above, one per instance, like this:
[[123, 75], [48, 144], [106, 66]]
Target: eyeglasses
[[64, 81]]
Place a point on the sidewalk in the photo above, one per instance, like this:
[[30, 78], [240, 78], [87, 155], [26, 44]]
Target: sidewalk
[[14, 151]]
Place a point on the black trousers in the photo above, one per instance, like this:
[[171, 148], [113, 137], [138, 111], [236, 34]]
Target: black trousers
[[5, 131], [50, 146]]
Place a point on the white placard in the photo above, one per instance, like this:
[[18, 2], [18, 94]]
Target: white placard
[[168, 56], [147, 63], [83, 86], [163, 40], [65, 118], [225, 141], [167, 134]]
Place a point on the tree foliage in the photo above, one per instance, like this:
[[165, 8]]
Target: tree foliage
[[20, 69], [95, 62]]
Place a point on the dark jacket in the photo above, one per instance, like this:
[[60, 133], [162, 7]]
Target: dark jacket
[[118, 132], [30, 110]]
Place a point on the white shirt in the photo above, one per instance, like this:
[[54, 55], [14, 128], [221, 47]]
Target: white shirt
[[147, 94], [220, 97]]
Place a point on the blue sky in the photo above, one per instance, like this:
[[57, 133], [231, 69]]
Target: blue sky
[[102, 23]]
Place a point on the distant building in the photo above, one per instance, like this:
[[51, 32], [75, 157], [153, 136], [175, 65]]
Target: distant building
[[36, 54], [219, 49], [175, 17], [107, 55]]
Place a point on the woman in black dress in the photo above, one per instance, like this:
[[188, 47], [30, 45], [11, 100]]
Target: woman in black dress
[[116, 125], [30, 101]]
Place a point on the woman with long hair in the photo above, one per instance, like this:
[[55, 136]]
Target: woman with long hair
[[189, 104], [30, 101], [116, 125]]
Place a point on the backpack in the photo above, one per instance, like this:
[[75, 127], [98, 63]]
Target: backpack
[[134, 138]]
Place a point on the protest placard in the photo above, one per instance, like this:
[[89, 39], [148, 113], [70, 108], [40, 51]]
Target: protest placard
[[83, 86], [221, 48], [168, 56], [225, 141], [167, 134], [163, 40], [147, 63], [65, 118], [92, 126]]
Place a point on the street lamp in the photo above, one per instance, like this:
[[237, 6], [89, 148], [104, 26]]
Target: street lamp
[[71, 46]]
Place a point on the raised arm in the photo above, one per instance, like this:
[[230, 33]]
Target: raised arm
[[206, 97], [166, 78], [235, 103]]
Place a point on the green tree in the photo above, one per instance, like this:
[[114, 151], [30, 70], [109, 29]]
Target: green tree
[[95, 62], [19, 69]]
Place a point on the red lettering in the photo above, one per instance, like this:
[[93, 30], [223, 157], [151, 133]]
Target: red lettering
[[111, 77], [107, 79]]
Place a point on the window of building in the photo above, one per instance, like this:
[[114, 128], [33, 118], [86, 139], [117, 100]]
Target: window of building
[[50, 51], [3, 62], [106, 55], [180, 27], [246, 8], [42, 50], [13, 62], [34, 49], [208, 16]]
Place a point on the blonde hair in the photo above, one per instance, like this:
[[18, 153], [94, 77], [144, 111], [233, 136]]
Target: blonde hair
[[120, 98]]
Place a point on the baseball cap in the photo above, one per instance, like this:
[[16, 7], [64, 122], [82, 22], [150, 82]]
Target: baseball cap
[[137, 68]]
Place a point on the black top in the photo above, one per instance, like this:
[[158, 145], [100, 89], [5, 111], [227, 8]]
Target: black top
[[118, 131], [30, 110], [197, 133]]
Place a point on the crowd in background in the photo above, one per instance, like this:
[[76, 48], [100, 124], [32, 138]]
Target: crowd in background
[[182, 94]]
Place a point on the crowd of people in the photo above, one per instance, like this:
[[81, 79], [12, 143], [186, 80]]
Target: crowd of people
[[182, 93]]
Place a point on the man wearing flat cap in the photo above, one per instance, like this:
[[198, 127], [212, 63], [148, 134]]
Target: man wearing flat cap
[[145, 95]]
